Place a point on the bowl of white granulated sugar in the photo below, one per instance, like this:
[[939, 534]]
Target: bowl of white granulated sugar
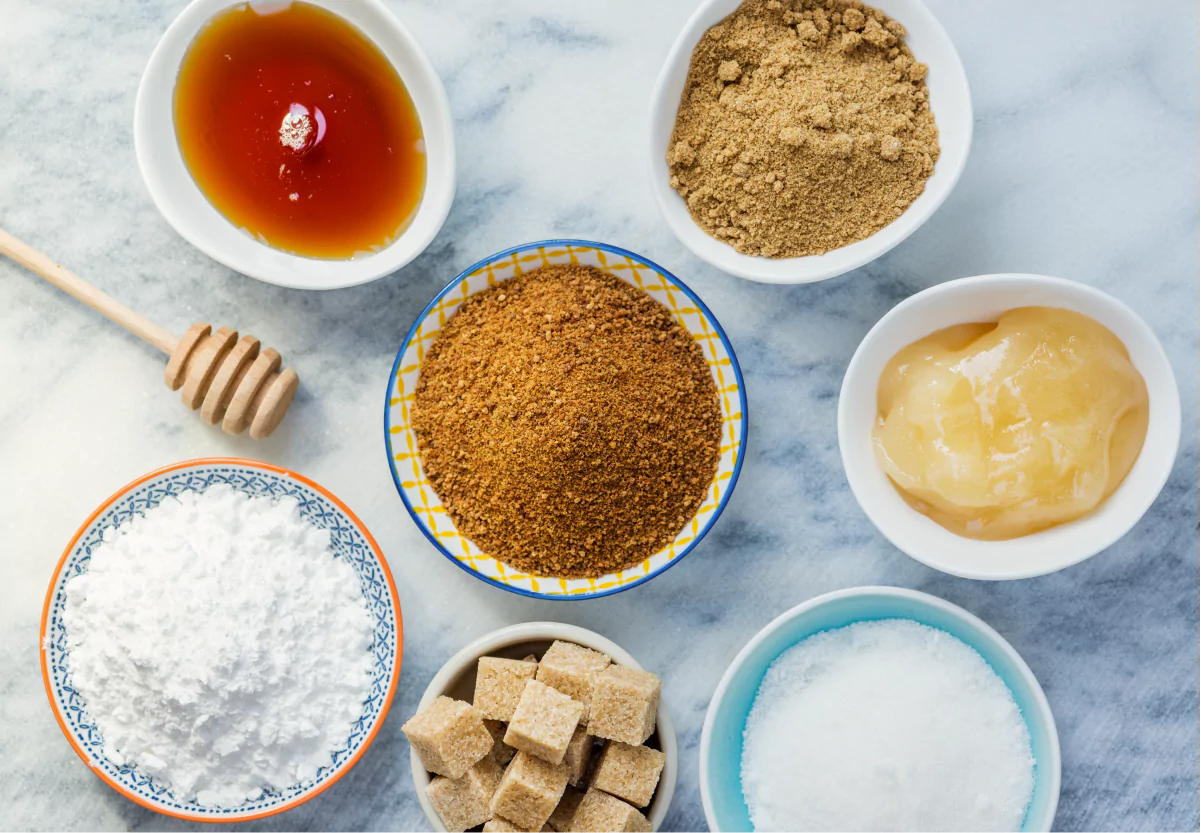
[[879, 708], [221, 640]]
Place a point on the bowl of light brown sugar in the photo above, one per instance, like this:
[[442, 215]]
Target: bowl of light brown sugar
[[566, 419], [795, 140]]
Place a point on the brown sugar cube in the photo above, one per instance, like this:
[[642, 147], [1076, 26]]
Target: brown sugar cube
[[529, 658], [625, 705], [578, 756], [498, 685], [449, 736], [501, 751], [560, 819], [629, 772], [529, 791], [600, 812], [572, 669], [463, 803], [498, 824], [544, 722]]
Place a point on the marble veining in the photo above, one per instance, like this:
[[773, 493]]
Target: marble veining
[[1084, 165]]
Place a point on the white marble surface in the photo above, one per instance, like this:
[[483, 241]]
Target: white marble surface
[[1085, 165]]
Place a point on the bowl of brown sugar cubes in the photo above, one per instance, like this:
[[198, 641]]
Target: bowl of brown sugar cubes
[[543, 726]]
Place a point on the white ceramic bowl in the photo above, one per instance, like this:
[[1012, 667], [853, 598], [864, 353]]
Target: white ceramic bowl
[[950, 100], [984, 299], [457, 679], [183, 204], [721, 737]]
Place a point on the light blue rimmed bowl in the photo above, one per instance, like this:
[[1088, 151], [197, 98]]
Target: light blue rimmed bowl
[[721, 738], [401, 442], [349, 540]]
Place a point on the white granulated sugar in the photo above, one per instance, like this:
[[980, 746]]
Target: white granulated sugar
[[219, 645], [886, 725]]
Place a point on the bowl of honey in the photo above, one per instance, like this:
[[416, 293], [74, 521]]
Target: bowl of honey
[[1008, 426], [307, 144]]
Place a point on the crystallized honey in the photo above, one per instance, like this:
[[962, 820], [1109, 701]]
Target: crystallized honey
[[297, 129], [999, 430]]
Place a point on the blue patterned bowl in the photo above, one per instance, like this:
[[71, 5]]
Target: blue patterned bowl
[[350, 540], [425, 506]]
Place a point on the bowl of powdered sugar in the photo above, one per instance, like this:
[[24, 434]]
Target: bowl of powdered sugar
[[879, 708], [221, 640]]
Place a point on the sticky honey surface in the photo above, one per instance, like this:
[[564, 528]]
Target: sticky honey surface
[[998, 430], [297, 129]]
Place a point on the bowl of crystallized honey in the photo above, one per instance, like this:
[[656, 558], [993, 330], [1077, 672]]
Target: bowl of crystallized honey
[[305, 144], [918, 530]]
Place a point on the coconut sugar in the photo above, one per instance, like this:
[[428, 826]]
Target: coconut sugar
[[569, 424], [887, 725]]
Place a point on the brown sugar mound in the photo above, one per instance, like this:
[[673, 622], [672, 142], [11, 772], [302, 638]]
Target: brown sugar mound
[[568, 423], [804, 126]]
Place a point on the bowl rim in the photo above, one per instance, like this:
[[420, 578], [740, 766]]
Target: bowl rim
[[1084, 545], [692, 296], [438, 193], [198, 463], [529, 632], [747, 266], [964, 615]]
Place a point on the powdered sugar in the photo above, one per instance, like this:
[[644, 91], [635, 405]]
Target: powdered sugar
[[219, 645], [887, 725]]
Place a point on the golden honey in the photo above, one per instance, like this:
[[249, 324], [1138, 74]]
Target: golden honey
[[997, 430], [297, 129]]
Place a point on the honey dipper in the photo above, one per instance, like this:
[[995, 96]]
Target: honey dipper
[[232, 381]]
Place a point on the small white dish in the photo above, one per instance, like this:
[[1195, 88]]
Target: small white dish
[[984, 298], [725, 720], [457, 679], [191, 214], [950, 99]]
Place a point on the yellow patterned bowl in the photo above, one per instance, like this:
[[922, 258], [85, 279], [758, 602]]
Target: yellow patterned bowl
[[423, 504]]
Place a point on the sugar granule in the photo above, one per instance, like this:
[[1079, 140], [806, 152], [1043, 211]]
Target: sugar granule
[[219, 646], [887, 725]]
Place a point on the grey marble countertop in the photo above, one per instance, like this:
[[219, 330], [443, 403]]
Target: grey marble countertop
[[1085, 165]]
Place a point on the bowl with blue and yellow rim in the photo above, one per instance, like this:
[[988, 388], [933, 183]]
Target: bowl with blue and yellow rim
[[423, 503]]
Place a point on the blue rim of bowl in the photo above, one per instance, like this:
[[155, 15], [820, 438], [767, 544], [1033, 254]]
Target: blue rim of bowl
[[604, 247], [921, 598]]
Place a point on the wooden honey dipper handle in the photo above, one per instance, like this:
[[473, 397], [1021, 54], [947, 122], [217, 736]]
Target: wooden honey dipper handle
[[230, 381], [81, 290]]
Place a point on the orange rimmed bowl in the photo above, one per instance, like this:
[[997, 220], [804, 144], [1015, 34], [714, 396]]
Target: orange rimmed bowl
[[349, 539]]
